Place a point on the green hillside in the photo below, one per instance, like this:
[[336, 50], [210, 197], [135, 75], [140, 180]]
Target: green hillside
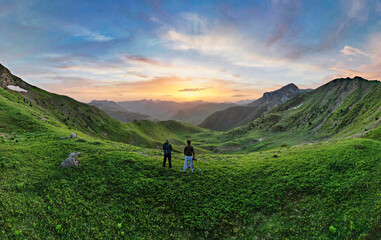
[[325, 191], [36, 106], [340, 108], [153, 134]]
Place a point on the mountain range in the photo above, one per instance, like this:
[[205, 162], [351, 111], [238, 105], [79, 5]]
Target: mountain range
[[118, 112], [345, 107], [193, 112], [240, 115], [341, 108]]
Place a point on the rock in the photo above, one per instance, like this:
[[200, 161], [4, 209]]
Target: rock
[[73, 135], [71, 160]]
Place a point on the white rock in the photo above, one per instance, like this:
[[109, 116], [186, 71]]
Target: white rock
[[71, 160], [73, 135]]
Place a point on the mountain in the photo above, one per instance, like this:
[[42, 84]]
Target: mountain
[[193, 112], [345, 107], [118, 112], [161, 110], [198, 113], [244, 102], [240, 115], [29, 107]]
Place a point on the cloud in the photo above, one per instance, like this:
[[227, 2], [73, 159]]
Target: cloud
[[239, 95], [192, 89], [289, 12], [357, 9], [144, 60], [89, 35], [351, 51], [231, 48], [354, 14], [369, 66]]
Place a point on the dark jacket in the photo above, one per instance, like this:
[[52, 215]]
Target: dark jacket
[[167, 148], [188, 150]]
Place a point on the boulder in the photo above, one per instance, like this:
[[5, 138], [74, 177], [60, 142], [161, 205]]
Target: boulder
[[73, 135], [71, 160]]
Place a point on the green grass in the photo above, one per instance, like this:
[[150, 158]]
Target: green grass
[[342, 108], [122, 191], [153, 134]]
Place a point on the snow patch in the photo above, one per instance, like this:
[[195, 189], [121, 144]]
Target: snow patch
[[298, 106], [16, 88]]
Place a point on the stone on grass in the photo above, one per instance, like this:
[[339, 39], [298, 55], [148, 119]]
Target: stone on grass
[[71, 160], [73, 135]]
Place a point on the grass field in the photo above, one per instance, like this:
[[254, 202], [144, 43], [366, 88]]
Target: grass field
[[324, 190]]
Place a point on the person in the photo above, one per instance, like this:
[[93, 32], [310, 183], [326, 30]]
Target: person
[[167, 153], [189, 155]]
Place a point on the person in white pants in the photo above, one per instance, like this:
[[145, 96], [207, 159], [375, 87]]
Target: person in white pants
[[189, 155]]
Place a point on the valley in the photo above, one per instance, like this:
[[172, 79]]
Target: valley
[[308, 168]]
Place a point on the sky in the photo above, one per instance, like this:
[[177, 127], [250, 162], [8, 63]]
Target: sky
[[220, 51]]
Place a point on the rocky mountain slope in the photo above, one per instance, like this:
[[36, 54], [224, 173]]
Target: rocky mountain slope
[[240, 115], [345, 107]]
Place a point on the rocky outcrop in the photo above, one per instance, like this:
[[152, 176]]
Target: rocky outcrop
[[71, 160], [275, 98], [6, 79]]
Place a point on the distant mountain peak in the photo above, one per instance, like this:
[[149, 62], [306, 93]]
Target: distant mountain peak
[[237, 116], [284, 92], [289, 86]]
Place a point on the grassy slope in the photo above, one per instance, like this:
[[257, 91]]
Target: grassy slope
[[300, 192], [41, 106], [154, 133], [341, 108]]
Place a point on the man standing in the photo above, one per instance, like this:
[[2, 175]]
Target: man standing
[[189, 155], [167, 153]]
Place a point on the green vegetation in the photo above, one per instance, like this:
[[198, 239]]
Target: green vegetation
[[153, 134], [325, 190], [341, 108], [121, 191]]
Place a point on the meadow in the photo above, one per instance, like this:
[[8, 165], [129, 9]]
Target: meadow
[[328, 190]]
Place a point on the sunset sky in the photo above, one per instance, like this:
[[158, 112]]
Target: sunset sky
[[187, 50]]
